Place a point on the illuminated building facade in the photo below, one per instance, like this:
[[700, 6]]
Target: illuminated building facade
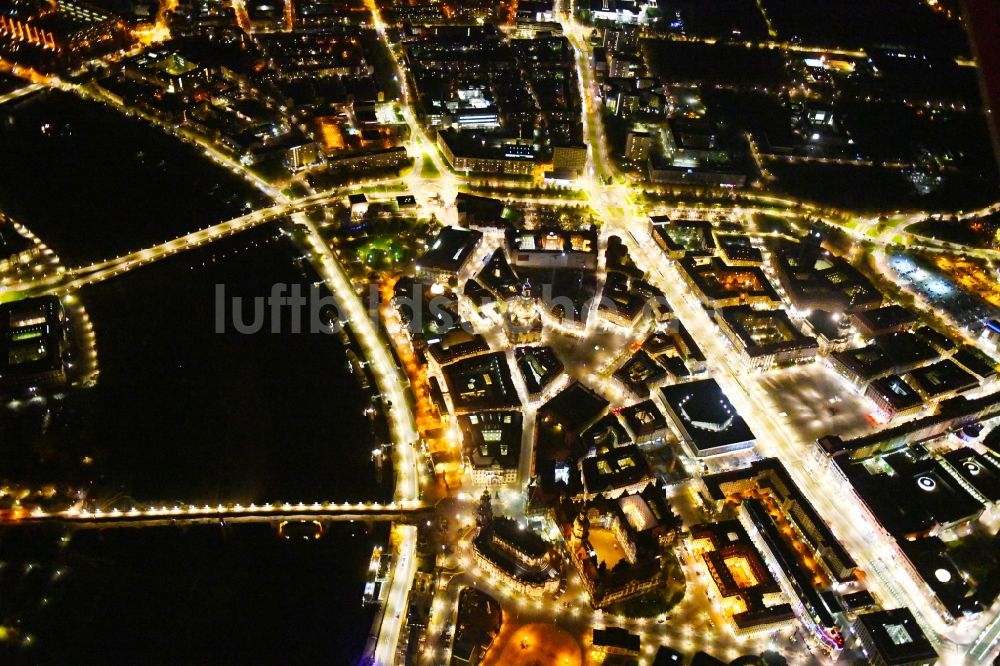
[[615, 544], [492, 445], [63, 26], [741, 582], [508, 159], [553, 248], [517, 556], [765, 338]]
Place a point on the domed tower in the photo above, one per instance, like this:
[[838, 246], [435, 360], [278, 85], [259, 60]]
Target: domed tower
[[522, 319]]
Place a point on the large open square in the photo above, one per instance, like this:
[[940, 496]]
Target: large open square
[[813, 401]]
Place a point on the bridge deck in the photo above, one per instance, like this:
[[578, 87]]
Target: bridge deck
[[405, 511]]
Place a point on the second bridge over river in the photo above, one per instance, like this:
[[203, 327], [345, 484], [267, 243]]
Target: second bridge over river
[[190, 514]]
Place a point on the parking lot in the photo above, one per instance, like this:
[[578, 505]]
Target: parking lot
[[939, 292]]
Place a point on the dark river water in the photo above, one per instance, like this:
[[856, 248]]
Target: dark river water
[[180, 413], [93, 184]]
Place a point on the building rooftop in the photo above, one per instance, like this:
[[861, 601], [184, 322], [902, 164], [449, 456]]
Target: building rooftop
[[925, 485], [884, 319], [992, 440], [617, 258], [953, 413], [911, 495], [477, 622], [659, 342], [771, 474], [719, 281], [764, 332], [738, 570], [621, 299], [787, 558], [896, 392], [929, 557], [643, 418], [976, 362], [487, 145], [608, 433], [828, 325], [936, 339], [641, 373], [32, 338], [896, 352], [456, 345], [552, 240], [648, 509], [684, 235], [905, 349], [492, 439], [943, 377], [517, 535], [566, 292], [617, 638], [317, 52], [701, 658], [512, 547], [688, 348], [859, 600], [450, 250], [706, 418], [618, 468], [413, 300], [737, 248], [499, 277], [814, 278], [539, 366], [897, 636], [666, 656], [477, 293], [574, 408], [481, 382], [978, 472], [479, 211]]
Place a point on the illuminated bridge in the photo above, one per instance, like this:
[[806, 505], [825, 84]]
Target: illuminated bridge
[[20, 92], [190, 514], [73, 278]]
